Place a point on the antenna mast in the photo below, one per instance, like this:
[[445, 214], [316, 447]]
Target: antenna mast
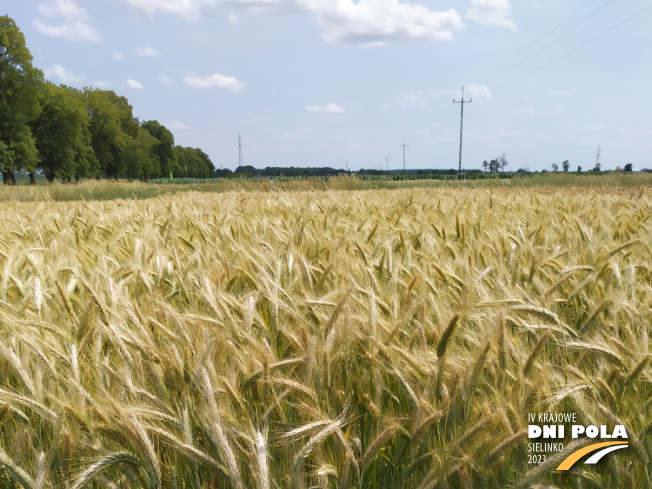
[[239, 150], [403, 146], [459, 171]]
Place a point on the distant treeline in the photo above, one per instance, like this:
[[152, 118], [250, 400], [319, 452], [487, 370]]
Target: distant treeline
[[294, 172], [275, 171], [70, 134], [433, 174]]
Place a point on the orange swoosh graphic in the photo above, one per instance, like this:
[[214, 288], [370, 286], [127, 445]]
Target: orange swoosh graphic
[[575, 456]]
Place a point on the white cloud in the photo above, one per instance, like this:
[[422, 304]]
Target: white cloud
[[131, 83], [102, 84], [233, 18], [369, 22], [492, 12], [62, 75], [178, 126], [325, 109], [147, 51], [73, 31], [414, 99], [215, 81], [302, 134], [560, 93], [74, 28], [478, 91], [118, 56], [189, 9], [165, 79], [420, 98], [66, 9]]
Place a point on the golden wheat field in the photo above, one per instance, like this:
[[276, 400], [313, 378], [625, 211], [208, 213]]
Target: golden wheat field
[[324, 339]]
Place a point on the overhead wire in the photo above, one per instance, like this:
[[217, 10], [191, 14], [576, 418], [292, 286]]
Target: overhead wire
[[553, 41], [536, 41], [546, 46], [593, 39]]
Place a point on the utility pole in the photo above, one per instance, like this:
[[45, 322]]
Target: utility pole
[[462, 102], [239, 150], [404, 146], [387, 161], [597, 158]]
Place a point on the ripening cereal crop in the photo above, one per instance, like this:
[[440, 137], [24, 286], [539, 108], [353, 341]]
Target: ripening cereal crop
[[324, 339]]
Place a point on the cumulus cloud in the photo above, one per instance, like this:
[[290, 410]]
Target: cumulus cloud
[[102, 84], [478, 91], [325, 109], [66, 9], [189, 9], [72, 31], [131, 83], [62, 75], [74, 26], [491, 12], [215, 81], [369, 22], [165, 79], [178, 126], [302, 134], [147, 51], [414, 99]]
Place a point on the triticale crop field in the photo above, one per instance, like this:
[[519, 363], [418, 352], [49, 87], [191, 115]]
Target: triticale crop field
[[324, 339]]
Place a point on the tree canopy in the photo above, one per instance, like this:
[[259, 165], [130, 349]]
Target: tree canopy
[[20, 83], [62, 135], [69, 133]]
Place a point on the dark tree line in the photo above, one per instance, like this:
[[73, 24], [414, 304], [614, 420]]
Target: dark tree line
[[276, 171], [73, 134], [495, 165]]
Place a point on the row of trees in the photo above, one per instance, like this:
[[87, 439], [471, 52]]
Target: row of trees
[[495, 165], [69, 133], [565, 165]]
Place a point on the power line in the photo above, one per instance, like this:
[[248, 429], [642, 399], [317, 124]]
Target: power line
[[553, 41], [582, 45], [533, 43], [239, 150], [404, 146], [537, 40], [462, 102]]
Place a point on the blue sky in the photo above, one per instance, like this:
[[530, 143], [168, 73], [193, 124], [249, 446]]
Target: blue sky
[[331, 82]]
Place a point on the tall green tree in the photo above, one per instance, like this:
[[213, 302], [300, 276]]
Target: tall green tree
[[194, 162], [112, 124], [565, 165], [20, 83], [205, 169], [140, 158], [62, 135], [164, 149]]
